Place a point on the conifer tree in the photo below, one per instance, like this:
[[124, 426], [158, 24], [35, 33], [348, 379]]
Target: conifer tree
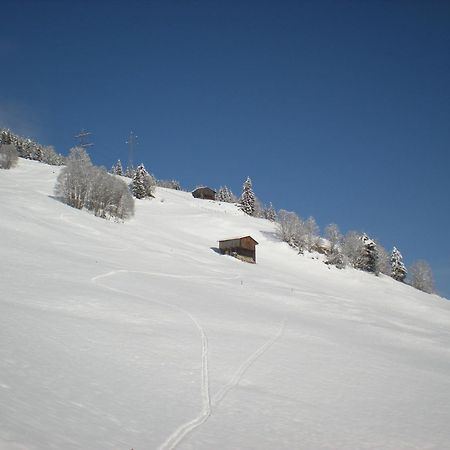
[[117, 168], [367, 259], [248, 198], [143, 183], [398, 269], [224, 194], [270, 213]]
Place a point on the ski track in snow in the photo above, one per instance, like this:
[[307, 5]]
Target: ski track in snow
[[176, 437], [237, 376], [207, 404]]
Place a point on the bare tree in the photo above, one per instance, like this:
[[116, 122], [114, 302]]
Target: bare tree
[[335, 255], [288, 224], [421, 277], [8, 156]]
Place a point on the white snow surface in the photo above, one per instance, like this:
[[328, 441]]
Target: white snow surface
[[140, 335]]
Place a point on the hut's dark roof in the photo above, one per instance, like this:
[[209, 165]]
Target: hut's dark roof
[[239, 238], [203, 188]]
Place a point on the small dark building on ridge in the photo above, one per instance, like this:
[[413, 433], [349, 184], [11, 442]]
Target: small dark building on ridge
[[204, 193], [243, 248]]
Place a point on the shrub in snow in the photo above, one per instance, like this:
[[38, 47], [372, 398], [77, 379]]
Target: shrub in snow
[[8, 156], [398, 269], [143, 184], [82, 185], [421, 277], [248, 199]]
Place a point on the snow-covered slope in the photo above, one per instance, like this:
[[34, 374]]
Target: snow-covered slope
[[140, 335]]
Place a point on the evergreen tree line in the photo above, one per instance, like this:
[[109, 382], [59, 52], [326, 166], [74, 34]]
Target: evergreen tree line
[[28, 149]]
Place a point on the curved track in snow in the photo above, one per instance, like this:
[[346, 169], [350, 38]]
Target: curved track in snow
[[173, 440], [207, 403]]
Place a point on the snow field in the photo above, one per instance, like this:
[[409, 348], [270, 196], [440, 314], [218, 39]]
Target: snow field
[[140, 335]]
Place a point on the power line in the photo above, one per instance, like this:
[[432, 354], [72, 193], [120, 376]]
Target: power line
[[82, 137]]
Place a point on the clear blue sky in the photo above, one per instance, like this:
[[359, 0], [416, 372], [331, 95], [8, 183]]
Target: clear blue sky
[[336, 109]]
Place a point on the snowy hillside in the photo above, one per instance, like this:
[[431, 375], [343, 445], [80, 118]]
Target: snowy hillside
[[140, 335]]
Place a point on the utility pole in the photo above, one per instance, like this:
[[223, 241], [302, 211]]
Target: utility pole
[[82, 137], [132, 142]]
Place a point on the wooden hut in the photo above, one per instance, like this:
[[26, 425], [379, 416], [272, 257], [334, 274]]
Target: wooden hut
[[243, 248], [204, 193]]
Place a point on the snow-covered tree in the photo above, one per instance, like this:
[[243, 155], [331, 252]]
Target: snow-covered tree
[[49, 156], [421, 277], [398, 269], [298, 233], [335, 255], [269, 213], [129, 173], [352, 247], [117, 168], [288, 224], [73, 182], [383, 264], [5, 136], [224, 194], [8, 156], [143, 183], [248, 199], [368, 257], [309, 235]]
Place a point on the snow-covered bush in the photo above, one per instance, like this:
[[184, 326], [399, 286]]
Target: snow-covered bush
[[8, 156], [82, 185]]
